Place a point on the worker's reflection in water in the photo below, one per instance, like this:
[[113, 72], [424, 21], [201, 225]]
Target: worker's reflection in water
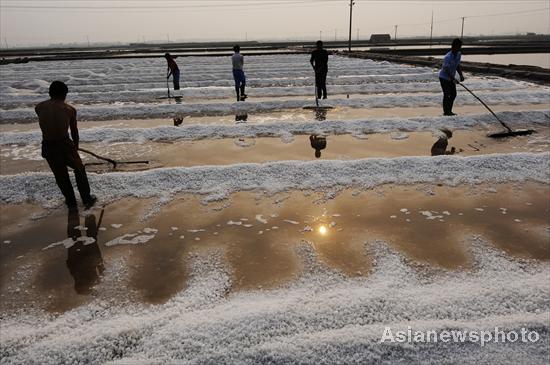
[[84, 258], [440, 146], [320, 114], [241, 117], [318, 143]]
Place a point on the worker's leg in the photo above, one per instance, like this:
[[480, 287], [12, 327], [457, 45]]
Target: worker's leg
[[452, 96], [176, 79], [243, 84], [324, 84], [59, 169], [446, 86], [318, 85], [73, 160], [237, 83]]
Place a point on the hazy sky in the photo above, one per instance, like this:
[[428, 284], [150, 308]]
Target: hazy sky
[[31, 22]]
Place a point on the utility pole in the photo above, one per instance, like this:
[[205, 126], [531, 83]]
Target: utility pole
[[335, 34], [432, 29], [351, 3], [320, 35], [462, 32], [6, 42], [88, 39], [357, 33], [395, 34]]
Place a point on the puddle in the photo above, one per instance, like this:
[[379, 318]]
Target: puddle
[[292, 115], [288, 147], [259, 235]]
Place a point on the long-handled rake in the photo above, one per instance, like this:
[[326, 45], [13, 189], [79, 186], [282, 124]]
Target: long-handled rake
[[509, 132], [317, 107], [111, 161]]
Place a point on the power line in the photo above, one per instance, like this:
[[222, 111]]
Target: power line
[[478, 16], [457, 18]]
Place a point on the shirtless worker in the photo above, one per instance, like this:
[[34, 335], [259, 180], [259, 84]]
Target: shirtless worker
[[55, 118], [319, 62], [173, 70]]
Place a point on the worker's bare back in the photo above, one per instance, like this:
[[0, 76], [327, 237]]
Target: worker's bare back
[[55, 117]]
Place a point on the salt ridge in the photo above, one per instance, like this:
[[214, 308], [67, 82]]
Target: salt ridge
[[219, 181], [15, 98], [155, 110], [519, 119]]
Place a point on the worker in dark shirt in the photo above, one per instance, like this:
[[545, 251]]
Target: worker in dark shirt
[[319, 62], [56, 117], [318, 143], [173, 70]]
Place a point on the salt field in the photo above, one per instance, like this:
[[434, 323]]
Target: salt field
[[235, 244]]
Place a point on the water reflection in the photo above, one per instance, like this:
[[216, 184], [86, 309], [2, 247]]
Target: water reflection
[[440, 146], [320, 114], [318, 143], [241, 117], [84, 259]]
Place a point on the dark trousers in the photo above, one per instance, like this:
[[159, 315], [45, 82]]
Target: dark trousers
[[240, 83], [176, 79], [449, 95], [63, 154], [321, 83]]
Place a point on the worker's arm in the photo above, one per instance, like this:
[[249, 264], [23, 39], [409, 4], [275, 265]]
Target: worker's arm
[[73, 127], [168, 72], [459, 70], [311, 60]]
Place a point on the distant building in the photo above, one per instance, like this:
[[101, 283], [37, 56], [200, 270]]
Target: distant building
[[380, 38]]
